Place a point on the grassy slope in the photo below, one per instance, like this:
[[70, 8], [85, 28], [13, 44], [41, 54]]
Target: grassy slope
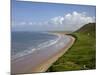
[[81, 55]]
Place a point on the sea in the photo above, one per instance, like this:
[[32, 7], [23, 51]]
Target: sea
[[24, 43]]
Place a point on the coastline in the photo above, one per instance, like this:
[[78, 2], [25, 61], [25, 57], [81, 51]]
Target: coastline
[[39, 48], [45, 64]]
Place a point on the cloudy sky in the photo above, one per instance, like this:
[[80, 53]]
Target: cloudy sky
[[32, 16]]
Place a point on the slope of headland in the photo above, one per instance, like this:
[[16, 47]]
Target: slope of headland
[[82, 55]]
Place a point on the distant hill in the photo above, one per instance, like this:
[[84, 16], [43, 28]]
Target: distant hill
[[89, 29]]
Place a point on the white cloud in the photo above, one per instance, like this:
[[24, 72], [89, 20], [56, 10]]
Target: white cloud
[[69, 22], [56, 20], [22, 23], [30, 23], [72, 21]]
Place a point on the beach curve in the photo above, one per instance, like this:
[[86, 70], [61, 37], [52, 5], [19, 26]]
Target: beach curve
[[44, 61]]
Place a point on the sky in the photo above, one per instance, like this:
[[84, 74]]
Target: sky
[[39, 16]]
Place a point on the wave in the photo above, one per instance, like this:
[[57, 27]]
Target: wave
[[39, 47]]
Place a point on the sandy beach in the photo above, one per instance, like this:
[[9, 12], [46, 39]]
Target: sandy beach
[[44, 66], [41, 60]]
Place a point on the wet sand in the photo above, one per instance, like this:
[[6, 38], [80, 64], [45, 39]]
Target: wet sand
[[41, 60]]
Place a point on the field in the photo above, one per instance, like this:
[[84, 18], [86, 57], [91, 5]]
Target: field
[[82, 55]]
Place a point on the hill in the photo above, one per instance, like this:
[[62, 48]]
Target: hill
[[82, 55], [88, 29]]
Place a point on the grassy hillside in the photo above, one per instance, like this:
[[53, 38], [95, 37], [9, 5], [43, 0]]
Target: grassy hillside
[[88, 29], [81, 56]]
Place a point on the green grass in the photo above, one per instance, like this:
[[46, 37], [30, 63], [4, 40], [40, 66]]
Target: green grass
[[81, 56]]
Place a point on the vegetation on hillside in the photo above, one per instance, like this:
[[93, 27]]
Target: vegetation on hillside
[[82, 55]]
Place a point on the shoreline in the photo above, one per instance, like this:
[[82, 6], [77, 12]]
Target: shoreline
[[46, 63], [44, 66], [54, 42]]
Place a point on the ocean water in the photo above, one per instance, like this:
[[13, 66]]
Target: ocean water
[[24, 43]]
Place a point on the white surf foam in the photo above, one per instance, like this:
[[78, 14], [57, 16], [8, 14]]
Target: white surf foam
[[39, 47]]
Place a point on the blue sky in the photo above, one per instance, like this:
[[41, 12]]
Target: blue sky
[[33, 13]]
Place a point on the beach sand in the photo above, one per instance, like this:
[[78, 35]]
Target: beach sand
[[46, 64], [42, 59]]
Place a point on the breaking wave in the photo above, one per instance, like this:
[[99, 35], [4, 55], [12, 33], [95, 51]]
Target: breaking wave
[[39, 47]]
